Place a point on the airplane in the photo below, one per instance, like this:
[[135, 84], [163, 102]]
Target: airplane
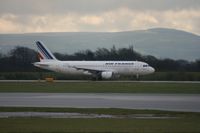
[[96, 69]]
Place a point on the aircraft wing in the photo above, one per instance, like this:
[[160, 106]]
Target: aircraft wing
[[97, 72], [93, 71]]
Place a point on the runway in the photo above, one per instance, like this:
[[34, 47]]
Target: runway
[[173, 102]]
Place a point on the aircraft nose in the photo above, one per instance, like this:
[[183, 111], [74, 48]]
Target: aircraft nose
[[152, 70]]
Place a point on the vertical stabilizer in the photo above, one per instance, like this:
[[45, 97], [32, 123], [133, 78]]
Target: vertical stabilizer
[[43, 52]]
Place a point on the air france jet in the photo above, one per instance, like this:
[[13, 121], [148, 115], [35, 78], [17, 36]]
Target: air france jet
[[96, 69]]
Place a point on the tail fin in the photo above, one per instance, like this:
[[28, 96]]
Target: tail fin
[[43, 52]]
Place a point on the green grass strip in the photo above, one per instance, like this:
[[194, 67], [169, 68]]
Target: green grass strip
[[101, 87]]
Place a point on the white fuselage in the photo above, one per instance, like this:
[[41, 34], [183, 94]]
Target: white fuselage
[[97, 69], [88, 67]]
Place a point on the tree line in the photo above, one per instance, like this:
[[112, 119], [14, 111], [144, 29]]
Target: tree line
[[20, 59]]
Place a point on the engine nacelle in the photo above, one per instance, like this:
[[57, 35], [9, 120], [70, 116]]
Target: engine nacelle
[[106, 75]]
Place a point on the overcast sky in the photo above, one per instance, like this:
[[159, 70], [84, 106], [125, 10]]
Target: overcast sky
[[22, 16]]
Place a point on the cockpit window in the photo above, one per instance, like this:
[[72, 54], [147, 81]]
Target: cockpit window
[[145, 65]]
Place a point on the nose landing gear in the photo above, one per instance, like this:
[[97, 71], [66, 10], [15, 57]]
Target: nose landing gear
[[137, 76]]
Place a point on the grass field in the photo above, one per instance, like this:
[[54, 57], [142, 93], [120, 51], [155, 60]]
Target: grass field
[[45, 125], [111, 111], [101, 87], [182, 123]]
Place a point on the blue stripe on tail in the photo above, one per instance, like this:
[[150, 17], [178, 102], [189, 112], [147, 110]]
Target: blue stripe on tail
[[43, 50]]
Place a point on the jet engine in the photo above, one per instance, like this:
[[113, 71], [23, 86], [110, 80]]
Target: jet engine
[[106, 75]]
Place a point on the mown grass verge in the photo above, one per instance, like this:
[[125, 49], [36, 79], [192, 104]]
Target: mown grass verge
[[101, 87], [183, 123]]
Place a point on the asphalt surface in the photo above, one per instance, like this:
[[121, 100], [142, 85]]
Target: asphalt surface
[[173, 102]]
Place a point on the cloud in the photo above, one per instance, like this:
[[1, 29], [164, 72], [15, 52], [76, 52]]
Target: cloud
[[42, 7], [116, 20], [91, 20], [7, 23], [19, 16]]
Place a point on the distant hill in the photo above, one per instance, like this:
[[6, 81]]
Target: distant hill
[[160, 42]]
